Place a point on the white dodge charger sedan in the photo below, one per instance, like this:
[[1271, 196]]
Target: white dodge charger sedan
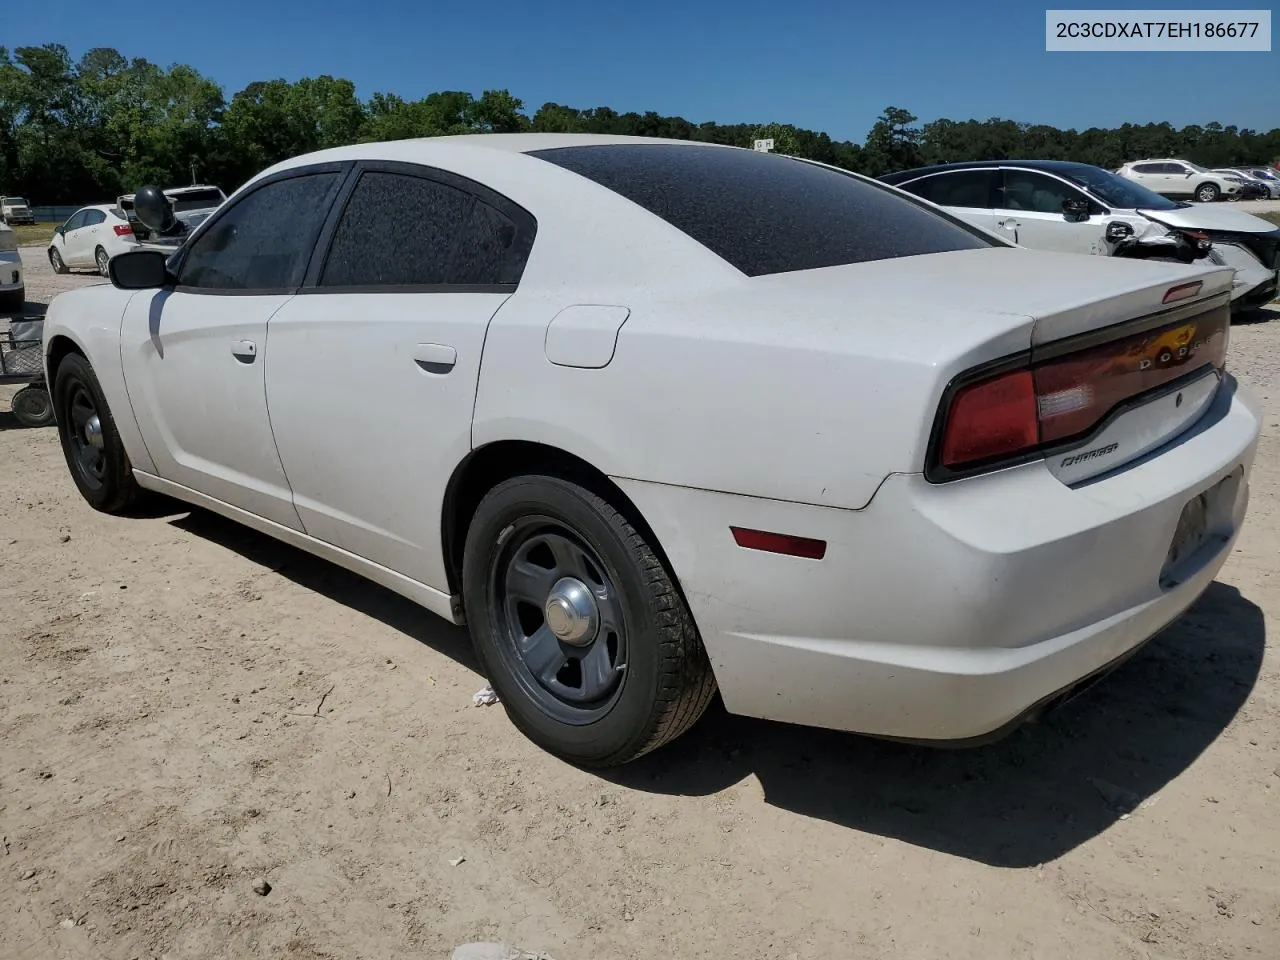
[[657, 418]]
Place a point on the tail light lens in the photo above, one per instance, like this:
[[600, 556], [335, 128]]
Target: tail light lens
[[1032, 406], [123, 230]]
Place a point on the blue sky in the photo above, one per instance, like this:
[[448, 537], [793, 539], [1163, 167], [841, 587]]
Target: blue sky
[[823, 65]]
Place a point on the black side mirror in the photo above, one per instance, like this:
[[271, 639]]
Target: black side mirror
[[1076, 209], [1118, 230], [140, 270]]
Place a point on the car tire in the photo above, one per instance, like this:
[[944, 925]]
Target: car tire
[[32, 407], [12, 301], [102, 259], [94, 453], [55, 261], [1207, 193], [642, 675]]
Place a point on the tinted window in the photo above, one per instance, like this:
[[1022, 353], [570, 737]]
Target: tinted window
[[195, 199], [76, 221], [93, 217], [265, 240], [764, 213], [400, 230], [1036, 193], [964, 188]]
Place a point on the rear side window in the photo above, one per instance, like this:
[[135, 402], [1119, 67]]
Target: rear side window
[[405, 231], [973, 189], [764, 213], [94, 217], [265, 240]]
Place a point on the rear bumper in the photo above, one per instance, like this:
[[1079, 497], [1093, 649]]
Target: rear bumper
[[946, 612], [10, 272]]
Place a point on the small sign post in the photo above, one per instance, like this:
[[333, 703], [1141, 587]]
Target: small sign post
[[765, 146]]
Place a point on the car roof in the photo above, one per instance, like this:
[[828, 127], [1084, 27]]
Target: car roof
[[1062, 167]]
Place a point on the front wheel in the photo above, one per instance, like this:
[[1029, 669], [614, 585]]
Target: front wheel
[[91, 444], [55, 261], [578, 624], [1207, 192]]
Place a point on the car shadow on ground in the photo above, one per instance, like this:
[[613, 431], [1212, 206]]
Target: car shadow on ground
[[1023, 801], [328, 579], [1020, 802]]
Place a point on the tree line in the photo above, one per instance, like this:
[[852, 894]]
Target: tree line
[[87, 130]]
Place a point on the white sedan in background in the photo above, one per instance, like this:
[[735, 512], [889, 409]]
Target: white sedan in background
[[90, 238], [653, 417]]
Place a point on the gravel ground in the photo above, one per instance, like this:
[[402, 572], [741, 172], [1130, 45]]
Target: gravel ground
[[188, 707]]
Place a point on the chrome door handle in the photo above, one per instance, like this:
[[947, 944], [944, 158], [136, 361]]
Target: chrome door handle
[[435, 357], [244, 350]]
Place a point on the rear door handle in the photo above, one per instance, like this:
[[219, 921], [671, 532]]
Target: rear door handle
[[244, 350], [435, 357]]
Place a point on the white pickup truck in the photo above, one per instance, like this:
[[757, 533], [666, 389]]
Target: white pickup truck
[[16, 210]]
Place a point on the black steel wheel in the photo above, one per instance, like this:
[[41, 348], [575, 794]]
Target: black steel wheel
[[561, 620], [92, 446], [580, 629], [32, 406]]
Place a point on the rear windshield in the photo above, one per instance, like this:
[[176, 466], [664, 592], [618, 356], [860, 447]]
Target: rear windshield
[[765, 213], [195, 199]]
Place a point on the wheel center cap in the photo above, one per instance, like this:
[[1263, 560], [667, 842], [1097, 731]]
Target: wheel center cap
[[571, 612], [93, 432]]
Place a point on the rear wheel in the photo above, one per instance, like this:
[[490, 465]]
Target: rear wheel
[[102, 260], [32, 407], [578, 624], [91, 444], [55, 261], [1207, 192]]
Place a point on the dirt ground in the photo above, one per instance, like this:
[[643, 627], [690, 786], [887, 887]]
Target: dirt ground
[[186, 706]]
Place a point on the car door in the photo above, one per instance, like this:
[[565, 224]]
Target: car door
[[89, 236], [194, 354], [1031, 210], [73, 238], [1179, 180], [967, 194], [372, 378]]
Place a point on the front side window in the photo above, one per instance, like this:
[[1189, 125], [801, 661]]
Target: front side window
[[76, 221], [1037, 193], [400, 230], [265, 241], [973, 189], [764, 213]]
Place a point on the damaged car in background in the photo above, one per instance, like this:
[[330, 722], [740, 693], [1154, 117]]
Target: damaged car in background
[[191, 206], [1080, 208]]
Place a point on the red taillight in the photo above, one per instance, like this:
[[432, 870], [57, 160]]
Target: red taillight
[[991, 418], [123, 230], [1061, 399], [780, 543]]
